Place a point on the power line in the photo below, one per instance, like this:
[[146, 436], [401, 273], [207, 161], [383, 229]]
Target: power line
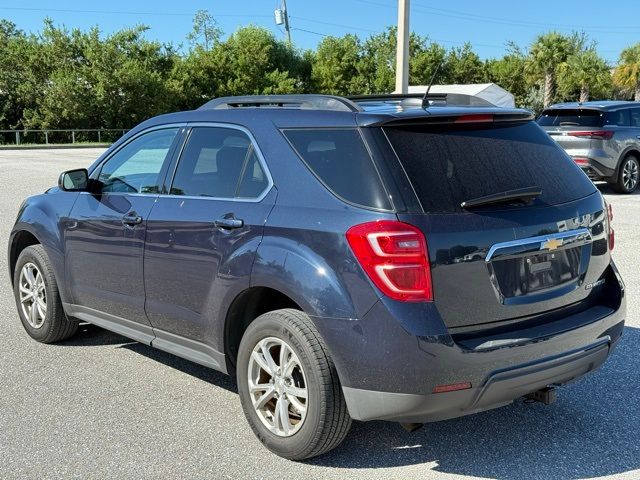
[[424, 10], [309, 31], [459, 14], [122, 12], [319, 22]]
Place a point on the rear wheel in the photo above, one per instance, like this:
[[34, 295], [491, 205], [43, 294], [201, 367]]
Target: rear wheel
[[37, 298], [628, 175], [289, 386]]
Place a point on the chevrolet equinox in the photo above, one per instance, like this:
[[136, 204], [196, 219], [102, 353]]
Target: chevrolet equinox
[[374, 258]]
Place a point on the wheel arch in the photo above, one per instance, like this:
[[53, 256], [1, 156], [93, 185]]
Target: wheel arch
[[20, 239], [244, 309], [629, 151]]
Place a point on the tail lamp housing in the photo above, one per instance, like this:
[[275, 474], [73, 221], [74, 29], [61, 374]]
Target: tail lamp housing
[[612, 233], [596, 134], [394, 256]]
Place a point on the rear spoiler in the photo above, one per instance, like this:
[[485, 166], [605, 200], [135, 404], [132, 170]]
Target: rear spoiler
[[452, 119]]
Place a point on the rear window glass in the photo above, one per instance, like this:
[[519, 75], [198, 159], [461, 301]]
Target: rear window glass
[[340, 160], [448, 166], [571, 118]]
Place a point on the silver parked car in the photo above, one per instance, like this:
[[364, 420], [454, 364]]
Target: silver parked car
[[603, 138]]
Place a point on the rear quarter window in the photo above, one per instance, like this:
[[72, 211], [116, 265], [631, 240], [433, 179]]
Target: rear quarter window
[[449, 165], [340, 160]]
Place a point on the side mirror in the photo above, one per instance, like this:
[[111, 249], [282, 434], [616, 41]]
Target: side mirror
[[74, 180]]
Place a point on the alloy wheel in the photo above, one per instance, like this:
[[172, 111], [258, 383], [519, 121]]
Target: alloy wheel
[[278, 386], [33, 295], [630, 174]]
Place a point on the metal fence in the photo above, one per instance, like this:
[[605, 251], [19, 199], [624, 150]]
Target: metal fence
[[60, 136]]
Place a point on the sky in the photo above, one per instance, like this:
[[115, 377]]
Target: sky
[[487, 25]]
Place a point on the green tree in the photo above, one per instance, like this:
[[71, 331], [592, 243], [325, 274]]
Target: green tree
[[464, 65], [251, 61], [12, 74], [336, 67], [587, 73], [205, 32], [509, 73], [546, 54], [424, 62], [627, 74]]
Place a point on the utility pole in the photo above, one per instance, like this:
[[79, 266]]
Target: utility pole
[[402, 48], [282, 18]]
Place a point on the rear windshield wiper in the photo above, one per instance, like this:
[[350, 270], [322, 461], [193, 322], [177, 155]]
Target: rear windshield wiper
[[523, 194]]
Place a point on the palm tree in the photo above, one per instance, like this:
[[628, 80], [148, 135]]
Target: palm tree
[[587, 72], [627, 74], [547, 53]]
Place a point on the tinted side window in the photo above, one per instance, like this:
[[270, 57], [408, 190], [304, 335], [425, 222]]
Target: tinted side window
[[254, 179], [618, 117], [635, 117], [135, 167], [339, 158], [219, 162]]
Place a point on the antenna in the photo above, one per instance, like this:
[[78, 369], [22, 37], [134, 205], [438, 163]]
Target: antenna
[[425, 101]]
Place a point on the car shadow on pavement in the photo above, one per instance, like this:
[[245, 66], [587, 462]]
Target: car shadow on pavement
[[90, 335], [206, 374], [592, 430]]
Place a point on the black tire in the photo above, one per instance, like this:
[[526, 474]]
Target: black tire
[[327, 420], [629, 164], [55, 326]]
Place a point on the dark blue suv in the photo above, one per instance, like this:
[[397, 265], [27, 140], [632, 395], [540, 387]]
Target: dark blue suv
[[366, 258]]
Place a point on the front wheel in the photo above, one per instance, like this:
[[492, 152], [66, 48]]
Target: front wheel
[[289, 387], [37, 298], [628, 175]]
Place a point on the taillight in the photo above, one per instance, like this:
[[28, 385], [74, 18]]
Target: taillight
[[581, 161], [394, 256], [476, 118], [597, 134], [612, 233]]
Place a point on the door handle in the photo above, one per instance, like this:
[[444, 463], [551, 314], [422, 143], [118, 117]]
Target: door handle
[[229, 223], [132, 219]]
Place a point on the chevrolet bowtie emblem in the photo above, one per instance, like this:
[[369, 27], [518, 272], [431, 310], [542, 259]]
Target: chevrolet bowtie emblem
[[552, 244]]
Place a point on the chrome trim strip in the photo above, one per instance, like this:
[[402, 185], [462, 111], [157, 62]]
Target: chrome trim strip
[[579, 236]]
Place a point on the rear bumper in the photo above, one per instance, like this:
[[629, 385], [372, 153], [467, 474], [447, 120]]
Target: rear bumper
[[391, 360], [500, 388], [600, 166]]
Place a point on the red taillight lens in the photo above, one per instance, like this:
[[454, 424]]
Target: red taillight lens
[[581, 161], [597, 134], [454, 387], [479, 118], [612, 233], [394, 256]]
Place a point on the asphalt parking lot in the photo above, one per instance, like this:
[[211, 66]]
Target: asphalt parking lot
[[101, 406]]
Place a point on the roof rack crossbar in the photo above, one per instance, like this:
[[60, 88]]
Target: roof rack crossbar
[[312, 102]]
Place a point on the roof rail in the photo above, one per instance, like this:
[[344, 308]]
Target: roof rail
[[415, 100], [306, 101]]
